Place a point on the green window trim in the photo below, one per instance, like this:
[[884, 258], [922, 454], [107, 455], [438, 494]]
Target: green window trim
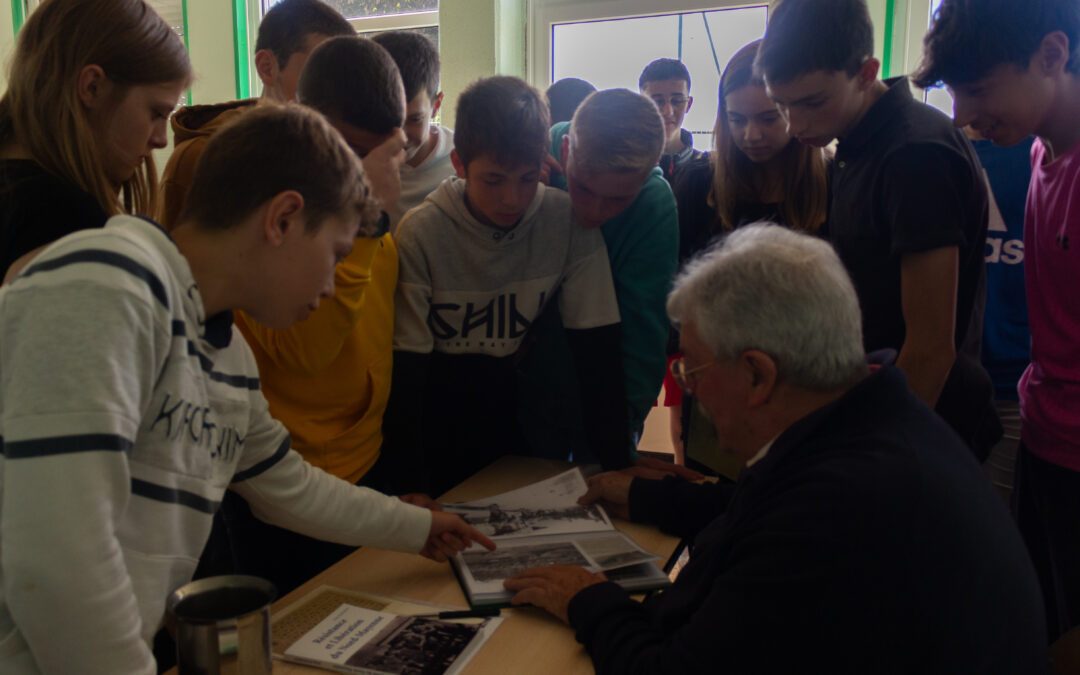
[[887, 47], [240, 49], [18, 14], [187, 42]]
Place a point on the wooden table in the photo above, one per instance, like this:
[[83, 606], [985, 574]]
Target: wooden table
[[529, 640]]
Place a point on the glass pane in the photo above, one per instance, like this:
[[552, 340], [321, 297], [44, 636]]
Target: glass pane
[[430, 32], [940, 98], [172, 11], [359, 9], [708, 40]]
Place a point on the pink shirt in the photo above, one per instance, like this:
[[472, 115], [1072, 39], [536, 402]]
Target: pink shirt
[[1050, 387]]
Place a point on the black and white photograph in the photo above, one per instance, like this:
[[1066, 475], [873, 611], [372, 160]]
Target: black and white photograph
[[508, 561], [613, 550], [497, 521], [415, 646]]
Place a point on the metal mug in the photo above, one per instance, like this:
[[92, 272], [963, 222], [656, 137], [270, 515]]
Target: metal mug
[[222, 625]]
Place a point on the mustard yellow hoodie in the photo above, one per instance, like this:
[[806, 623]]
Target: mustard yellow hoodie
[[327, 378], [192, 128]]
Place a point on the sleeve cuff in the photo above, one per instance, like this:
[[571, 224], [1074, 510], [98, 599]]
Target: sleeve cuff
[[590, 605], [649, 498]]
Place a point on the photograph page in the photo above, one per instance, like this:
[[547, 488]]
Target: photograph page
[[546, 508], [482, 572]]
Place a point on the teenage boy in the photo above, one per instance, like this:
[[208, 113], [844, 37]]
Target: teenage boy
[[427, 152], [288, 33], [480, 259], [909, 207], [1026, 80], [609, 152], [565, 95], [667, 83], [327, 378], [124, 376]]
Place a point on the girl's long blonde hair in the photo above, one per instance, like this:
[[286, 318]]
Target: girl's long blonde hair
[[41, 110], [805, 187]]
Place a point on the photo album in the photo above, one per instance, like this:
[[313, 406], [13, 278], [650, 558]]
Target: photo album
[[542, 524]]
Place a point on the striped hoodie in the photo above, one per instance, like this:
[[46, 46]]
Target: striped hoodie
[[125, 413]]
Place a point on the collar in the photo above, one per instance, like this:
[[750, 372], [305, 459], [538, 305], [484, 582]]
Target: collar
[[761, 453], [218, 330], [896, 98], [687, 152], [884, 382]]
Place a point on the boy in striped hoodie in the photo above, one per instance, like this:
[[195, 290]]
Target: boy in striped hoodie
[[128, 403]]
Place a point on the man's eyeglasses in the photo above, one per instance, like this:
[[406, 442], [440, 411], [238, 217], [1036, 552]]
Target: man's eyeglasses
[[685, 377]]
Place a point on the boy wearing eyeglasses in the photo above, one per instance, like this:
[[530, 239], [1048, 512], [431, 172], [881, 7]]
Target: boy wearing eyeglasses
[[667, 83]]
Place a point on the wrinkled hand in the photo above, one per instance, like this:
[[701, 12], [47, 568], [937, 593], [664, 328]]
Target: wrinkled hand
[[450, 534], [382, 168], [612, 491], [551, 588], [422, 500], [549, 168], [656, 469]]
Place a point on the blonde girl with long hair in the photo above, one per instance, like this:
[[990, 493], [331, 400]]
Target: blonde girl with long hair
[[90, 90], [755, 172]]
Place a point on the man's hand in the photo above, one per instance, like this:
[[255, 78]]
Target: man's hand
[[450, 534], [646, 467], [421, 500], [382, 168], [612, 491], [551, 588]]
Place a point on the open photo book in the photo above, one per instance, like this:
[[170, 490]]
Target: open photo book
[[542, 524], [351, 632]]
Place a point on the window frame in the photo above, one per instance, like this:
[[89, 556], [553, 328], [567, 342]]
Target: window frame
[[543, 15], [362, 25], [371, 24]]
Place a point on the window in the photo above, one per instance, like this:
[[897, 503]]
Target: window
[[939, 97], [704, 40], [368, 17], [170, 10], [377, 16]]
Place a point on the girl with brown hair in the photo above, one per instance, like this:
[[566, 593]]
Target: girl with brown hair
[[756, 172], [90, 90]]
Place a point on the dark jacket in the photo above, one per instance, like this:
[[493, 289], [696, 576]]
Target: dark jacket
[[673, 164], [866, 541]]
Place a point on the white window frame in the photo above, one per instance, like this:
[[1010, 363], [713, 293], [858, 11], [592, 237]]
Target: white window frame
[[544, 14], [370, 24]]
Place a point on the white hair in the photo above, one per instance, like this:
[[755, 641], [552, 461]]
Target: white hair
[[787, 294]]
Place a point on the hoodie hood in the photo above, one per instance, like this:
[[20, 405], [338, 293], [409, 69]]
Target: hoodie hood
[[449, 198], [203, 120]]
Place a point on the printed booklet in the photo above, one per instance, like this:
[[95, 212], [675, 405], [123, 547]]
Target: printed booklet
[[542, 524], [354, 633]]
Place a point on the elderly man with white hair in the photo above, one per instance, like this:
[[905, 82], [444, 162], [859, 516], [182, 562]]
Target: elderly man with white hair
[[861, 537]]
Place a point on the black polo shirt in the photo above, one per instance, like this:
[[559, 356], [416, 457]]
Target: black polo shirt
[[906, 181]]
